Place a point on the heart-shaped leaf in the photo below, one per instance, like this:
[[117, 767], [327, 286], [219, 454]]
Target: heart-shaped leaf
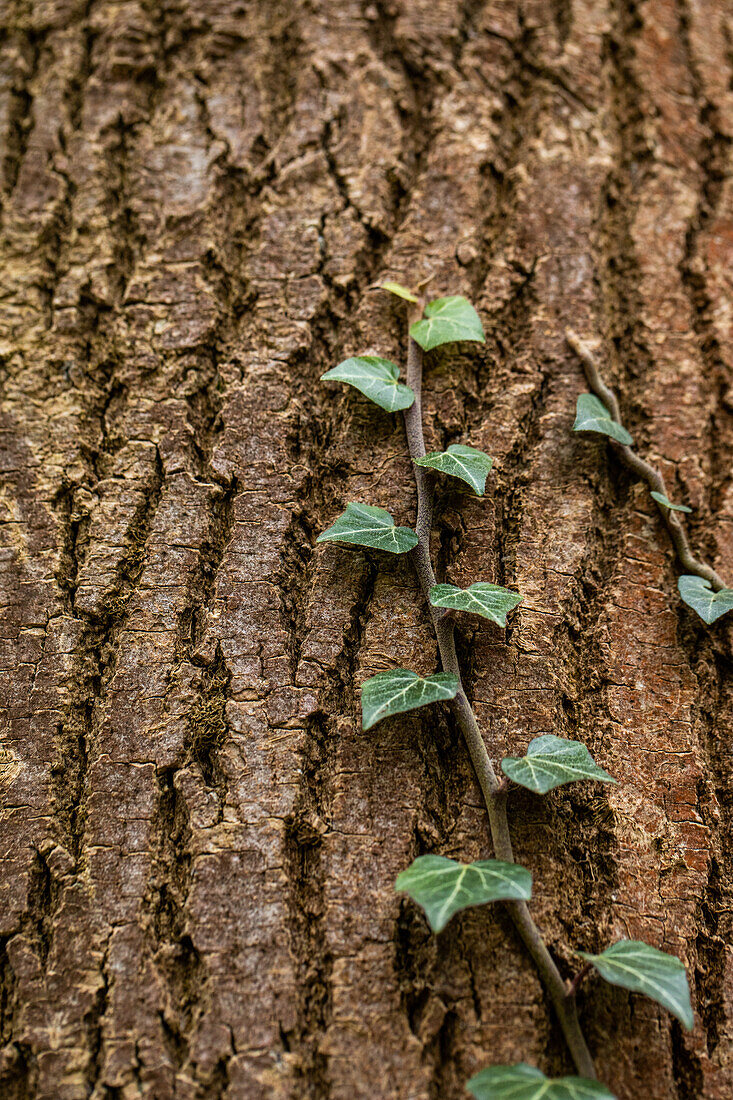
[[667, 503], [523, 1082], [593, 416], [643, 969], [698, 595], [447, 320], [444, 886], [400, 290], [398, 690], [490, 600], [552, 761], [467, 463], [366, 525], [377, 379]]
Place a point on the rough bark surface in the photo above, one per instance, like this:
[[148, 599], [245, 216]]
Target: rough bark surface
[[199, 843]]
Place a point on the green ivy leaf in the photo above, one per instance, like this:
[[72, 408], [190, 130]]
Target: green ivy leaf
[[667, 503], [400, 290], [467, 463], [698, 595], [366, 525], [523, 1082], [643, 969], [398, 690], [593, 416], [442, 887], [552, 761], [377, 379], [490, 600], [447, 320]]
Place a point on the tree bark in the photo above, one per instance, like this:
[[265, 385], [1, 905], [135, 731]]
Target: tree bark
[[199, 843]]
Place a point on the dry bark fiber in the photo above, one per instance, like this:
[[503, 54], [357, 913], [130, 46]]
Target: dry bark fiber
[[199, 843]]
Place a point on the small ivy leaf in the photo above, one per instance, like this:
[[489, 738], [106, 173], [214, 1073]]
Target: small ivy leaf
[[377, 379], [400, 290], [593, 416], [447, 320], [366, 525], [643, 969], [467, 463], [398, 690], [523, 1082], [697, 594], [552, 761], [442, 887], [490, 600], [667, 503]]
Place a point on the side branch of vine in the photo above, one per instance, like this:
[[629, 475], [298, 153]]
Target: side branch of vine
[[638, 466]]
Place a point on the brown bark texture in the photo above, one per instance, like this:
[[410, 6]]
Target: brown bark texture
[[199, 843]]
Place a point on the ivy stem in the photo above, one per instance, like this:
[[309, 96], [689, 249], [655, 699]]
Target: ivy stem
[[493, 790], [574, 983], [641, 468]]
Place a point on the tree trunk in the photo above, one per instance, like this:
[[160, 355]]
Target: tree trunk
[[199, 842]]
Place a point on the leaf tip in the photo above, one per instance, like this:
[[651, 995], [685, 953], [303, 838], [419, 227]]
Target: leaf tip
[[397, 289]]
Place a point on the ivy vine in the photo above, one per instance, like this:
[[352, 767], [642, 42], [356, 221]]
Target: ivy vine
[[700, 587], [443, 887]]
